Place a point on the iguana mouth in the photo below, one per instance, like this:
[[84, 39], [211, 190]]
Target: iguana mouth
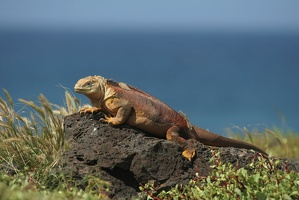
[[82, 89]]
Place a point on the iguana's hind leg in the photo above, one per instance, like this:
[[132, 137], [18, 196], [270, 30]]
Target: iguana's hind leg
[[172, 134]]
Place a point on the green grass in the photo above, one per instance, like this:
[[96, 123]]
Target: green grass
[[276, 142], [32, 145]]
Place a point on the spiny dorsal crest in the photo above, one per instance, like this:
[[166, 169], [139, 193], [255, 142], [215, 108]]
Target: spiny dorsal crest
[[186, 118]]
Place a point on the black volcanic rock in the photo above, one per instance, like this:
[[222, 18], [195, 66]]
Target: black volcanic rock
[[128, 157]]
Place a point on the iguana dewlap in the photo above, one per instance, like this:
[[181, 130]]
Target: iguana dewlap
[[126, 104]]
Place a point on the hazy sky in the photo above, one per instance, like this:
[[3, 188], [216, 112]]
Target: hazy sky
[[238, 14]]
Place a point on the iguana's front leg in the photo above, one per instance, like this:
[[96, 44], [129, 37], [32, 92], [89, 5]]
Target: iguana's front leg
[[119, 108], [172, 134]]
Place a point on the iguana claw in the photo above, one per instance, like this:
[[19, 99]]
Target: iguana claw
[[89, 110], [108, 119]]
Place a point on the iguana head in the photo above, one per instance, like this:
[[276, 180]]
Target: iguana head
[[95, 88], [91, 86], [88, 85]]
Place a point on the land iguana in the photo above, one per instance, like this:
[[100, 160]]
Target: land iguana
[[123, 103]]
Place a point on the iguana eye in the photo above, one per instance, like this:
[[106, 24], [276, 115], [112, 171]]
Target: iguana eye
[[88, 83]]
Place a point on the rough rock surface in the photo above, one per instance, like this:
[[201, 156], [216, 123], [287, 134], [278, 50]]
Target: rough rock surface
[[128, 157]]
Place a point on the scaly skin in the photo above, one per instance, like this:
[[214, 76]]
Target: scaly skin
[[125, 104]]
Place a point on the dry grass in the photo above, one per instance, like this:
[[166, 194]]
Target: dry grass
[[35, 141]]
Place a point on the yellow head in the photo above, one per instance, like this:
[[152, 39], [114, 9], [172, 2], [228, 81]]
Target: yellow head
[[90, 85], [95, 88]]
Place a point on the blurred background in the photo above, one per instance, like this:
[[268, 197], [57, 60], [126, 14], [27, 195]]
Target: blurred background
[[225, 64]]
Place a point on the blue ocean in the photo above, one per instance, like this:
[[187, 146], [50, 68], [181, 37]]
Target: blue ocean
[[220, 79]]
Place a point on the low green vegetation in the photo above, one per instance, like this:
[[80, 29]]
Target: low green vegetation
[[259, 180], [32, 143]]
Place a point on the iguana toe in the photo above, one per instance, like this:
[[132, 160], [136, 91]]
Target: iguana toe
[[89, 110], [109, 119], [189, 154]]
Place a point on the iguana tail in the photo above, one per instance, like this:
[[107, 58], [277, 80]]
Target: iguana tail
[[213, 139]]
